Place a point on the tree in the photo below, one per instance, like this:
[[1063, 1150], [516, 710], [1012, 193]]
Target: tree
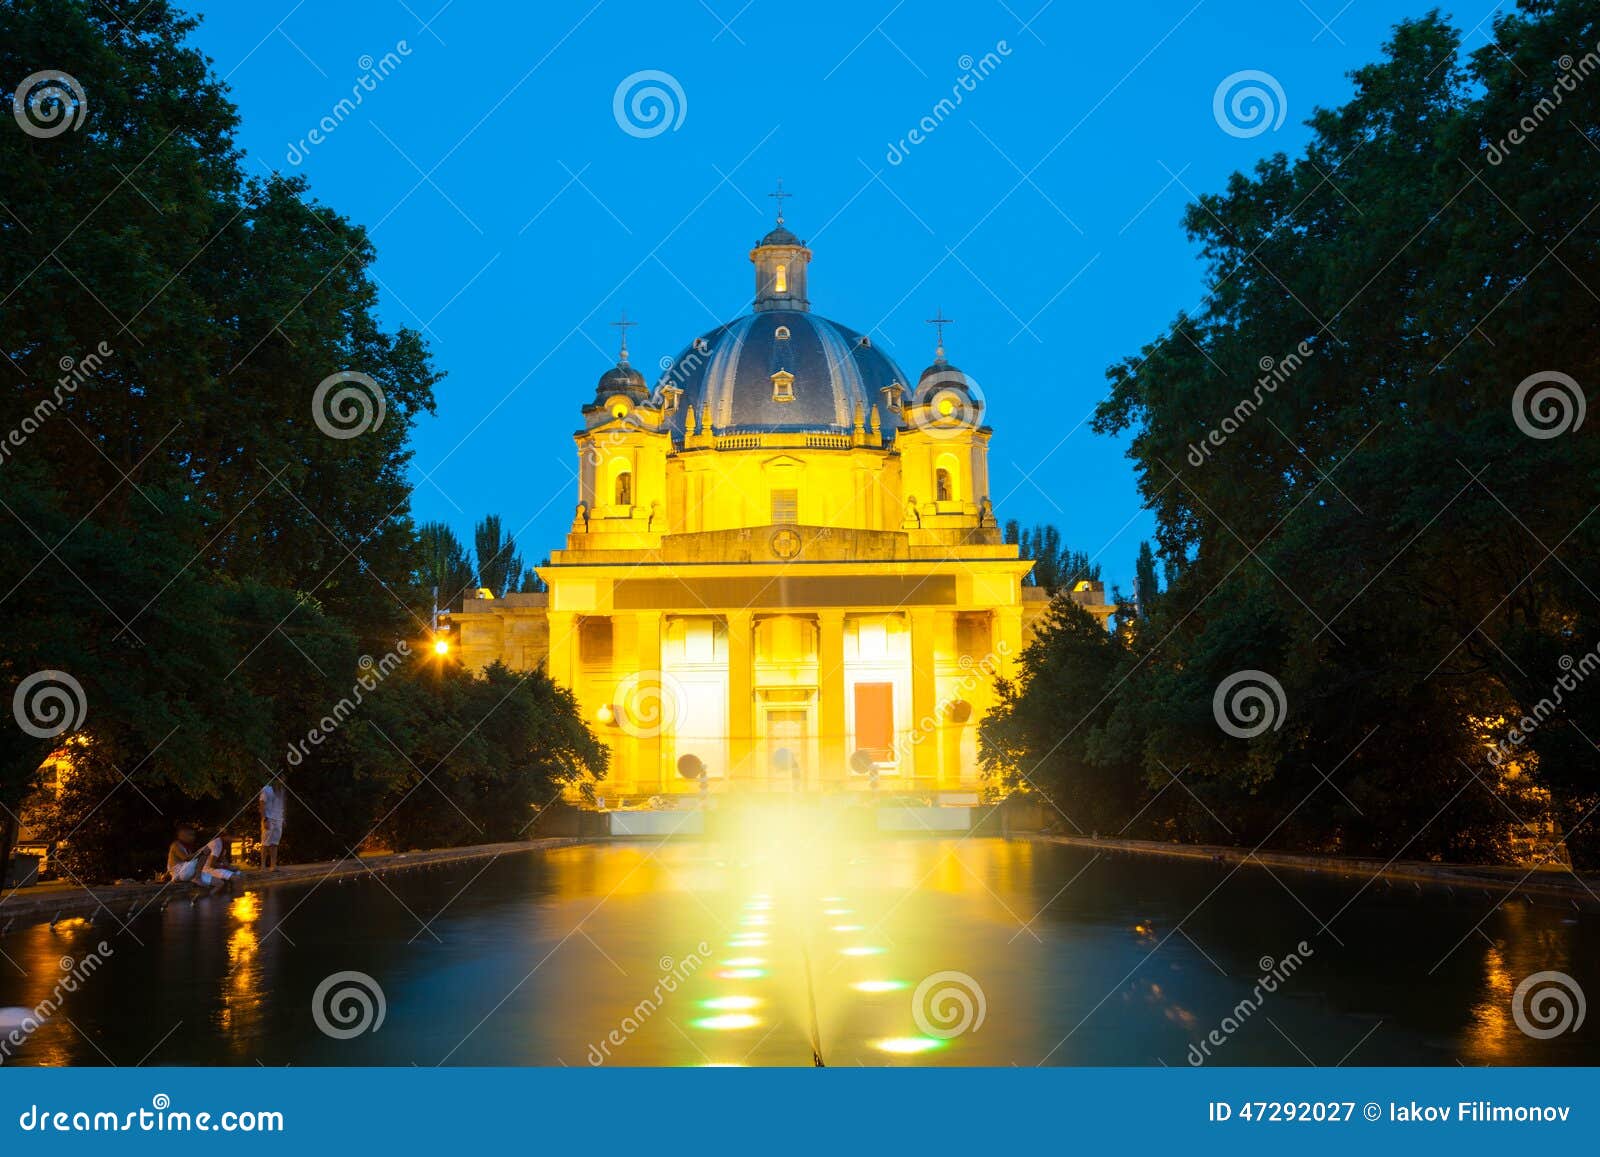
[[443, 565], [1055, 565], [499, 564], [1361, 513]]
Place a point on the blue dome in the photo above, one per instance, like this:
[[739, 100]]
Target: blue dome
[[727, 375]]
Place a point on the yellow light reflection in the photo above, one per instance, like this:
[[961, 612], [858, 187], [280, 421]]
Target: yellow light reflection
[[740, 973], [836, 912], [861, 950], [848, 927], [744, 962], [731, 1003]]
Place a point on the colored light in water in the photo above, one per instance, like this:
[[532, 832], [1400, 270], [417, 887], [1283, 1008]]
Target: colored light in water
[[728, 1022], [747, 941], [744, 962], [836, 912], [740, 973], [908, 1045], [754, 921], [878, 985], [731, 1003], [722, 1065], [848, 927], [833, 899], [862, 950]]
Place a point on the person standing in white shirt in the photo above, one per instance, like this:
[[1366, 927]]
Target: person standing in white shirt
[[271, 824]]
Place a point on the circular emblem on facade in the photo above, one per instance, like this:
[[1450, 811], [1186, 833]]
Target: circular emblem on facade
[[786, 543]]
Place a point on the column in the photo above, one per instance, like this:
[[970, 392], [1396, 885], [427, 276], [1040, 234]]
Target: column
[[648, 772], [560, 659], [741, 696], [924, 700], [1007, 639], [830, 695]]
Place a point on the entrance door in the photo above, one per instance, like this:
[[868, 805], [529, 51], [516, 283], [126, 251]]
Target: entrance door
[[786, 748], [875, 720]]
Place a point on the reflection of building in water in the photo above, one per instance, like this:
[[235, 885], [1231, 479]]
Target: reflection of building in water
[[784, 562]]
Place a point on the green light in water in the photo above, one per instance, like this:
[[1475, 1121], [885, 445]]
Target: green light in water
[[836, 912], [908, 1045], [755, 921], [731, 1003], [747, 941], [878, 985], [862, 950], [740, 973], [744, 962], [728, 1022], [848, 927]]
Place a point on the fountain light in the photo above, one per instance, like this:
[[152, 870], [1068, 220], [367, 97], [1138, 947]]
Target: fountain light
[[861, 950], [744, 962], [908, 1045], [731, 1003], [876, 986], [740, 973], [848, 927], [728, 1022]]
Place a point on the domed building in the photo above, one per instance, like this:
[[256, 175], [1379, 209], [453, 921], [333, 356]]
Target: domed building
[[783, 569]]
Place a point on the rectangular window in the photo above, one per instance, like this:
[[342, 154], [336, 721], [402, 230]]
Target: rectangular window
[[785, 506]]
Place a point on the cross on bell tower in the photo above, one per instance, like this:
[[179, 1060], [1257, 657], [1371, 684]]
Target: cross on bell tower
[[623, 325], [939, 321], [779, 196]]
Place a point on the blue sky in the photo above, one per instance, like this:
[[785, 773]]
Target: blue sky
[[515, 217]]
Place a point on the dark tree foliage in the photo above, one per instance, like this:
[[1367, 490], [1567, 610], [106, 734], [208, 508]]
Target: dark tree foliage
[[1364, 517], [499, 564], [1055, 564], [183, 536], [443, 565]]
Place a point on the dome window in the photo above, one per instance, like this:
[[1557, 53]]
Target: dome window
[[783, 386], [781, 333], [622, 489], [943, 488], [780, 279], [866, 342]]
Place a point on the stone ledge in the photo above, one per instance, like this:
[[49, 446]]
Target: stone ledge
[[1583, 891], [125, 901]]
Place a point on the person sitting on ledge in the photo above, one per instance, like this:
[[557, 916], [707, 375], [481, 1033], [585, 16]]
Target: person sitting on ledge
[[185, 865]]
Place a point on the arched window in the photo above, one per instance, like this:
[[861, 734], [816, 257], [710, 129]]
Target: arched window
[[943, 488], [780, 280], [624, 488]]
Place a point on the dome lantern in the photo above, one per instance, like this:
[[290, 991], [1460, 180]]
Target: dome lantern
[[780, 259]]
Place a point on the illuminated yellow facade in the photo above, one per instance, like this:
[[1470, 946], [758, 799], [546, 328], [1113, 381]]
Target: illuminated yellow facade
[[783, 564]]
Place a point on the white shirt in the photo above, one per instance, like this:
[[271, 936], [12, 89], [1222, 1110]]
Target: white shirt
[[272, 803]]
